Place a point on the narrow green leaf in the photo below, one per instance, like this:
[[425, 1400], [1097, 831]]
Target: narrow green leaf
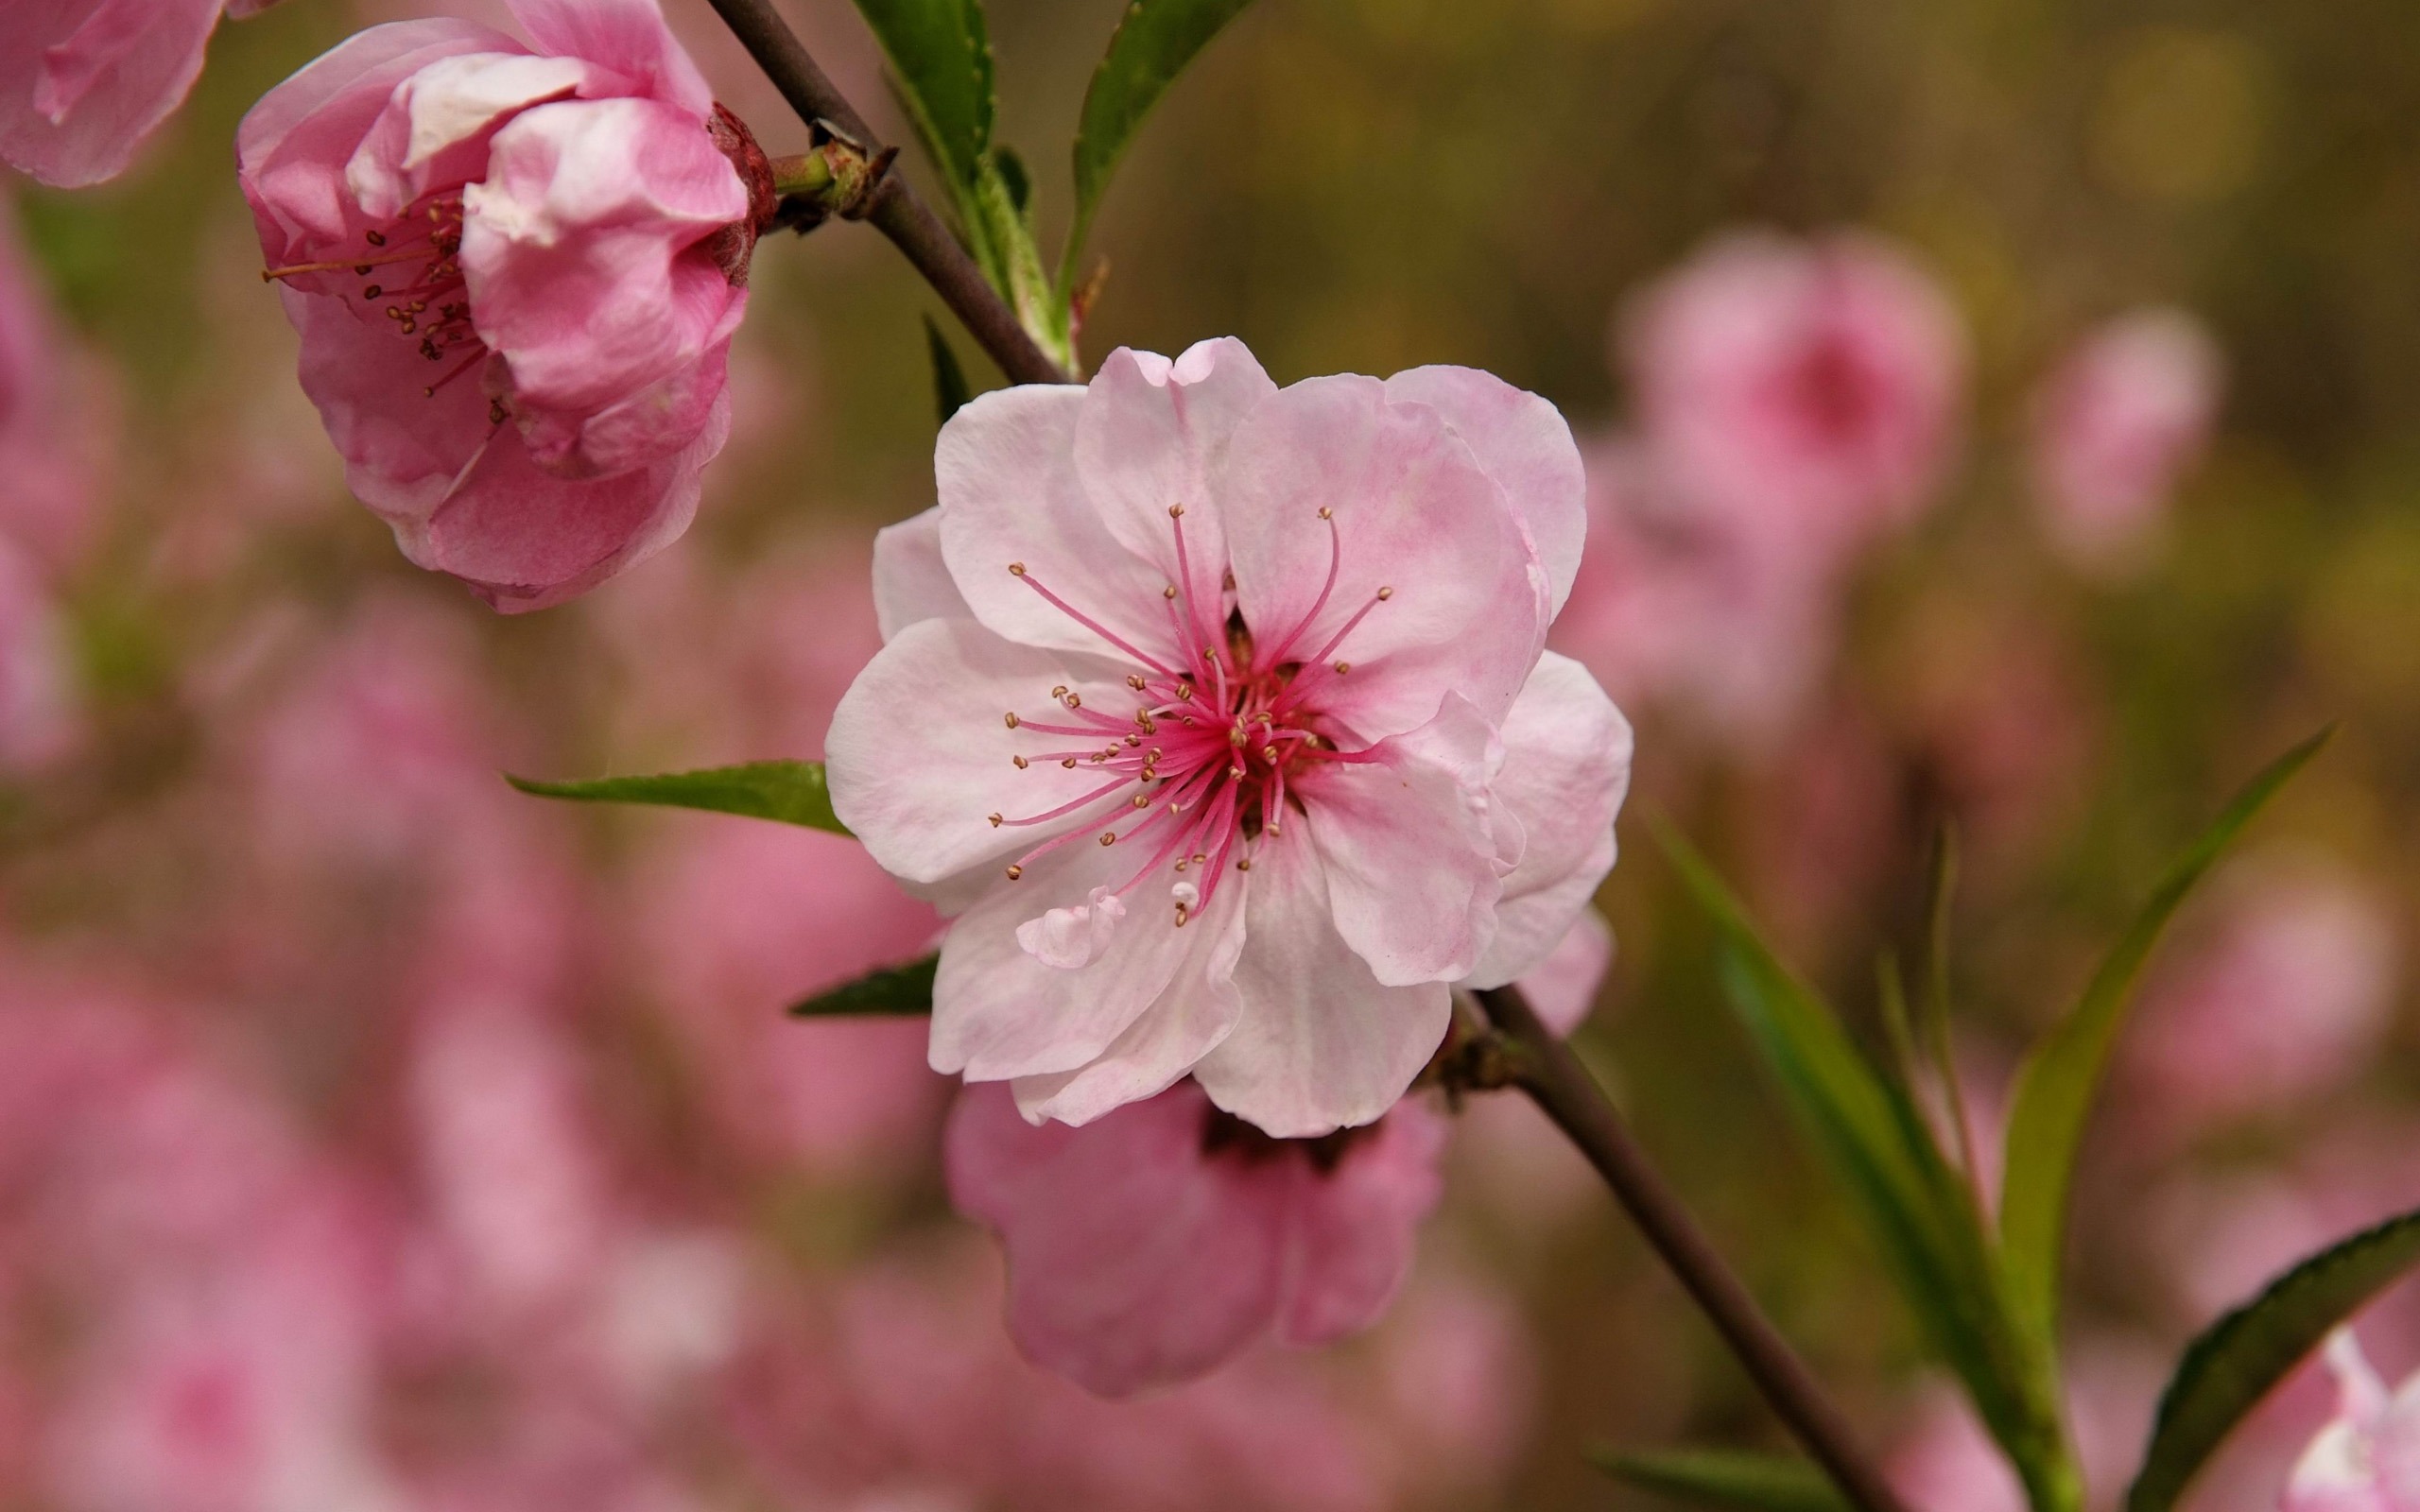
[[791, 792], [901, 992], [1714, 1477], [1016, 260], [2235, 1362], [2056, 1086], [1936, 1013], [1153, 43], [950, 388], [941, 58], [1919, 1211]]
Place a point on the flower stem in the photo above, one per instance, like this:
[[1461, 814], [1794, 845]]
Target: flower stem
[[1561, 1088], [893, 209]]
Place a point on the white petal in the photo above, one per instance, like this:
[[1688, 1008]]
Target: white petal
[[910, 580], [1524, 444], [1566, 770], [1321, 1044]]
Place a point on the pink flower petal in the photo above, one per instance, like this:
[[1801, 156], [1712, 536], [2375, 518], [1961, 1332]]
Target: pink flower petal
[[82, 83], [1355, 1225], [436, 127], [1321, 1044], [1414, 517], [1566, 770], [628, 36], [1523, 444], [911, 582]]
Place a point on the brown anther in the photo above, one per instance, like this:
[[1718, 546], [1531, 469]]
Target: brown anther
[[1134, 681], [362, 269], [1185, 693], [1326, 513], [1059, 692], [1016, 569], [1198, 858], [1275, 831], [1100, 756], [1069, 764], [995, 821], [1384, 594], [1343, 667], [1019, 760], [1132, 741], [1109, 836], [371, 291], [1151, 755], [1181, 916], [1176, 511], [374, 238], [1073, 700], [1235, 772], [1235, 735], [1182, 863], [1268, 753], [1014, 873], [1012, 717], [1244, 863], [1168, 592], [1141, 798]]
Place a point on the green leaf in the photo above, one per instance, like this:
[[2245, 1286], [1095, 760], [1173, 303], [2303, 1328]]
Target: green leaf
[[902, 992], [791, 792], [2056, 1086], [1713, 1477], [950, 388], [1919, 1211], [1013, 261], [941, 58], [2235, 1362], [1153, 43]]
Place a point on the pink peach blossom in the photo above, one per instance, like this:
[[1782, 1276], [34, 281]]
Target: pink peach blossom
[[51, 420], [516, 273], [2367, 1459], [1811, 387], [38, 702], [2125, 414], [82, 83], [1156, 1242], [1290, 641]]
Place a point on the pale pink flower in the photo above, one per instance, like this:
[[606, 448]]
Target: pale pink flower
[[516, 273], [1811, 387], [2125, 414], [1217, 712], [1945, 1459], [2367, 1459], [82, 83], [2288, 995], [1160, 1239]]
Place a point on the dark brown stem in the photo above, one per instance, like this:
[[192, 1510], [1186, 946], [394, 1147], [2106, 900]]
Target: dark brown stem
[[1560, 1085], [894, 209]]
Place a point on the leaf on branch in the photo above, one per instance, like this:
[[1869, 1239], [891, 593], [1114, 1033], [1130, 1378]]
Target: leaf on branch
[[1915, 1203], [941, 59], [2056, 1086], [2237, 1361], [950, 388], [1152, 45], [901, 992], [1714, 1477], [791, 792]]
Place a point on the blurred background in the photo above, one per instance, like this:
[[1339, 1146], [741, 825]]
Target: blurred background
[[1999, 411]]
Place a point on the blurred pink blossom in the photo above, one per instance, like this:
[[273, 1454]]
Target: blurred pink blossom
[[516, 274], [1397, 549], [1159, 1240], [2122, 419], [2367, 1459], [53, 420], [2288, 994], [1810, 389], [38, 704], [82, 83]]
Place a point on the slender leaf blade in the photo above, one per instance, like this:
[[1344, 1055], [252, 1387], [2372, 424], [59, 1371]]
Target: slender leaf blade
[[898, 991], [1153, 43], [951, 390], [2056, 1086], [1727, 1478], [2239, 1359], [790, 792], [1919, 1210], [941, 58]]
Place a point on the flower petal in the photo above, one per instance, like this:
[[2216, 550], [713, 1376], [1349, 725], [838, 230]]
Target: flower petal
[[910, 580], [435, 129], [581, 252], [1196, 1011], [1009, 493], [82, 85], [1320, 1045], [1355, 1226], [1524, 444], [1408, 854], [1566, 770], [1154, 434], [1563, 988], [1414, 516], [628, 36], [920, 755], [1133, 1260]]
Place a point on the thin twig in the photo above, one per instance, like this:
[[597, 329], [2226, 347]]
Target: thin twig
[[1557, 1082], [894, 209]]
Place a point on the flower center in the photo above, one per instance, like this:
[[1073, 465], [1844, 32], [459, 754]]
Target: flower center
[[414, 266], [1209, 759]]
